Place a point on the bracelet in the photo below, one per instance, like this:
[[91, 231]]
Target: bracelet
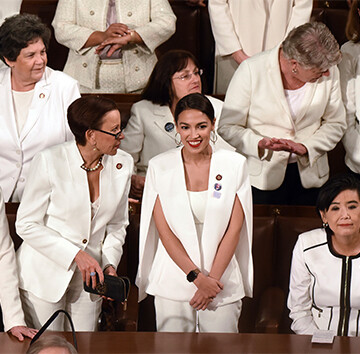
[[109, 265], [132, 37]]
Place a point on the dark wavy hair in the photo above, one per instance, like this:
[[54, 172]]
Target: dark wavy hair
[[18, 31], [353, 22], [158, 89], [87, 113], [195, 101]]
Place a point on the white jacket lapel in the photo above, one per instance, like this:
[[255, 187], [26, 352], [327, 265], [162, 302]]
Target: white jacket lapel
[[164, 120]]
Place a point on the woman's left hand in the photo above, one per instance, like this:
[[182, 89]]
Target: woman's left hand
[[199, 301], [115, 43], [20, 332]]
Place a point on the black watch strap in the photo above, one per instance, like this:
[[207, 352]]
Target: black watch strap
[[192, 275]]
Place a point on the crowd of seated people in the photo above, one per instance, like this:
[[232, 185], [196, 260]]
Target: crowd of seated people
[[195, 163]]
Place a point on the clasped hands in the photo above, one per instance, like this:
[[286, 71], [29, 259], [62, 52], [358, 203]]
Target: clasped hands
[[288, 145], [116, 35], [208, 288]]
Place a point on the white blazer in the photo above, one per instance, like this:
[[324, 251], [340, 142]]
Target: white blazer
[[157, 273], [46, 125], [145, 134], [350, 87], [255, 107], [76, 20], [9, 290], [253, 26], [54, 218]]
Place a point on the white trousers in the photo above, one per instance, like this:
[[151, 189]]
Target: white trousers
[[179, 316], [84, 308]]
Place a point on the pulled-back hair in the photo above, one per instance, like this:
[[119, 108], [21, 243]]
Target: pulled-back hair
[[195, 101], [87, 113], [158, 89], [18, 31], [312, 45]]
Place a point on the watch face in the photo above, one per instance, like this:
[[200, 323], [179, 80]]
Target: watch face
[[192, 275]]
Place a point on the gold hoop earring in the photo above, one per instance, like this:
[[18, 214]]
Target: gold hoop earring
[[213, 137], [177, 139]]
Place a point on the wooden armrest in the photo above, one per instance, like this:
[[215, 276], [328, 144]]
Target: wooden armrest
[[270, 311], [114, 318]]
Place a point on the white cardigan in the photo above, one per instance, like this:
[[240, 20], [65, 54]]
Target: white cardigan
[[76, 20], [46, 125], [157, 273], [350, 86], [9, 290], [145, 134], [54, 218], [321, 282], [255, 107]]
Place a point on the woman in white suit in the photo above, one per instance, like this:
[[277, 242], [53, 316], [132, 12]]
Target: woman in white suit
[[34, 100], [12, 313], [112, 42], [350, 86], [196, 229], [283, 111], [151, 129], [73, 216], [243, 28]]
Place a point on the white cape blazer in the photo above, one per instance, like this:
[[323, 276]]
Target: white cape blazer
[[54, 218], [157, 273]]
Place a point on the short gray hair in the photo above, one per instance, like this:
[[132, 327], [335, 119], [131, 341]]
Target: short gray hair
[[51, 341], [312, 45]]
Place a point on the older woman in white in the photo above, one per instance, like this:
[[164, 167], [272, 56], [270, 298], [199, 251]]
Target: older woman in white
[[350, 85], [325, 277], [34, 100], [196, 229], [151, 129], [112, 42], [73, 217], [12, 313], [283, 111]]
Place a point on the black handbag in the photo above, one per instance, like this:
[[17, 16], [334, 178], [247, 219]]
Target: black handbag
[[116, 288]]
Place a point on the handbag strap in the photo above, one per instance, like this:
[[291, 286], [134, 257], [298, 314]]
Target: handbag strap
[[49, 321]]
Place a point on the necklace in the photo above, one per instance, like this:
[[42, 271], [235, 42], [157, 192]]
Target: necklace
[[87, 169]]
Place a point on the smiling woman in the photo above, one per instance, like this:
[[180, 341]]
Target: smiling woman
[[325, 278], [34, 100]]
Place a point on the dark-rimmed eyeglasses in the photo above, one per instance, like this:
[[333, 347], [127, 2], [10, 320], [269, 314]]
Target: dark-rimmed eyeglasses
[[116, 136]]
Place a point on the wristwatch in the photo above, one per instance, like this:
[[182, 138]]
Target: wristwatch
[[192, 275]]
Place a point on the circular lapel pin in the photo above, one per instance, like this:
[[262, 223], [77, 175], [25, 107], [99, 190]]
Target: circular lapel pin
[[217, 186], [218, 177], [169, 127], [42, 95], [119, 166]]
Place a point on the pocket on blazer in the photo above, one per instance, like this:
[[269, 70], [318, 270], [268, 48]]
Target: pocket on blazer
[[322, 165], [254, 165]]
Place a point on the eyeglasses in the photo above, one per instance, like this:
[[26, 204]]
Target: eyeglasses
[[116, 136], [187, 77]]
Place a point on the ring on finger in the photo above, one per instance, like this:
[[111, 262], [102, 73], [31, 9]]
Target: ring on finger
[[92, 274]]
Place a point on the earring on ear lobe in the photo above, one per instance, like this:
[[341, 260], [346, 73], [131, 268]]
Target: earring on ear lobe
[[325, 225], [213, 137], [95, 148], [294, 71], [177, 139]]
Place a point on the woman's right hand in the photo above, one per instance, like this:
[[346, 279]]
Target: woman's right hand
[[87, 265], [115, 30], [208, 286]]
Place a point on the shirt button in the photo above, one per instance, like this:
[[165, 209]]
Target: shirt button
[[84, 65], [22, 179], [84, 241], [137, 68], [129, 13], [92, 13], [18, 165], [135, 51], [18, 152]]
